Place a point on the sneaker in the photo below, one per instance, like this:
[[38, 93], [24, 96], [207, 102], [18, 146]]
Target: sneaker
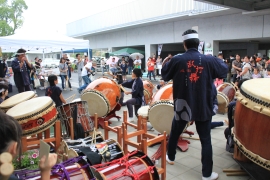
[[213, 176], [169, 161], [71, 89], [79, 91], [64, 89], [130, 119]]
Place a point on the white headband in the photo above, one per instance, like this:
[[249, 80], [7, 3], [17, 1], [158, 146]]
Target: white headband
[[1, 90], [190, 36]]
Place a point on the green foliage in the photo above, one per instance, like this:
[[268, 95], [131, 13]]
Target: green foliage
[[11, 16], [29, 160]]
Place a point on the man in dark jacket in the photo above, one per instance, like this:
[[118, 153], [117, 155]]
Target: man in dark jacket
[[21, 67], [192, 74]]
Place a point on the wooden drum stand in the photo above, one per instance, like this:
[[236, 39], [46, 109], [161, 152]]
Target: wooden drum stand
[[33, 142]]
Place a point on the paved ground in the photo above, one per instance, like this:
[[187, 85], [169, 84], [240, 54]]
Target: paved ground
[[187, 164]]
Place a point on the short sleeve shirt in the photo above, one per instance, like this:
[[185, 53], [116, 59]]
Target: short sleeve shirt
[[84, 71], [54, 92], [237, 64]]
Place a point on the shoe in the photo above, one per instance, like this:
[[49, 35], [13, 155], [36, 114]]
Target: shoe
[[64, 89], [79, 91], [213, 176], [130, 119], [71, 89], [169, 161]]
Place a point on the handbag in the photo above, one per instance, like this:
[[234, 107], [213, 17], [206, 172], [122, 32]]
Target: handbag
[[36, 81]]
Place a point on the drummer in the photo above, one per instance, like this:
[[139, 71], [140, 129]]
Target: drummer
[[54, 91], [192, 74], [10, 141], [3, 92], [137, 99]]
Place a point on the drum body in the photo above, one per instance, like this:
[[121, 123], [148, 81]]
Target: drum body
[[147, 96], [227, 89], [148, 86], [78, 110], [39, 115], [161, 110], [102, 96], [134, 166], [252, 121], [75, 168], [143, 111], [16, 99]]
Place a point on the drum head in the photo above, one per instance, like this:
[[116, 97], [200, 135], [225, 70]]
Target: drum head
[[97, 103], [222, 98], [143, 111], [161, 114], [77, 100], [16, 99], [30, 107]]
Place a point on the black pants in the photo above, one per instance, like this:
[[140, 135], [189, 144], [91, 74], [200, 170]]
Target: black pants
[[24, 88], [130, 104]]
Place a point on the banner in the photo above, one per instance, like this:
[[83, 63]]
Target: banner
[[159, 49], [200, 47]]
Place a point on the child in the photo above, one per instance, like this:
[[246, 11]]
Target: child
[[256, 73], [32, 76], [3, 92], [123, 67], [10, 141], [54, 91], [151, 68]]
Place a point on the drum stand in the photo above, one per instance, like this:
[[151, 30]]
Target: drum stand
[[102, 120], [144, 139], [34, 141]]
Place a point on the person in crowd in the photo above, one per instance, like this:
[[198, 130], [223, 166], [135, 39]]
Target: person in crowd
[[3, 92], [137, 99], [130, 66], [113, 66], [161, 84], [20, 67], [137, 63], [54, 91], [80, 65], [85, 60], [220, 56], [37, 64], [267, 73], [236, 69], [32, 77], [256, 73], [63, 68], [151, 68], [68, 62], [87, 68], [246, 69], [102, 65], [158, 65], [231, 59], [193, 75], [254, 64], [10, 141], [124, 68]]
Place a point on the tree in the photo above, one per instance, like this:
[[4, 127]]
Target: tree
[[11, 16]]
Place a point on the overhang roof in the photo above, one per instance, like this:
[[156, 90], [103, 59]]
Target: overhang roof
[[247, 5]]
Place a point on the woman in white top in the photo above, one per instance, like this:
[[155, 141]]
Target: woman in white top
[[246, 69]]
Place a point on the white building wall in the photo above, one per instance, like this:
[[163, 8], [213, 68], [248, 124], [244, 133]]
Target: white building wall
[[228, 27]]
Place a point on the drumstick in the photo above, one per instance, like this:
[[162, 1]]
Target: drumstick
[[123, 88], [190, 137], [71, 97]]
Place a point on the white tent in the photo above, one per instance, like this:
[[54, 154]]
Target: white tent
[[41, 42]]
